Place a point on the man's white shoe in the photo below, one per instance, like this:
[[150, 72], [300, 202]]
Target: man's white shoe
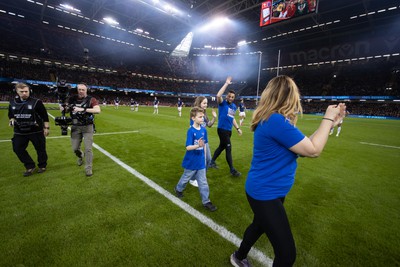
[[194, 183]]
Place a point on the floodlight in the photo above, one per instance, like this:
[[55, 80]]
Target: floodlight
[[69, 7], [241, 43], [111, 21], [171, 9], [164, 7], [66, 6], [168, 7]]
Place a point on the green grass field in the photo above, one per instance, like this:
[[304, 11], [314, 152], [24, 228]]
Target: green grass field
[[344, 208]]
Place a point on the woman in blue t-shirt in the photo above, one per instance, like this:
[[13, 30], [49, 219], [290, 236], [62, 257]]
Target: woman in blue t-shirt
[[277, 144]]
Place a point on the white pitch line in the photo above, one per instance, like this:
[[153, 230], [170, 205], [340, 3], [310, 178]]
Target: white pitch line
[[371, 144], [222, 231]]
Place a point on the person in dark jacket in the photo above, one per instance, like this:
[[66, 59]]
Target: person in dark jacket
[[28, 117]]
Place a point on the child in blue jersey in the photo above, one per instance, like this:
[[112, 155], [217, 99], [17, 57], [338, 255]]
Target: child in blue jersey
[[277, 144], [202, 102], [194, 162]]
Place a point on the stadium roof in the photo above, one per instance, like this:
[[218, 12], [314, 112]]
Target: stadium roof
[[153, 25]]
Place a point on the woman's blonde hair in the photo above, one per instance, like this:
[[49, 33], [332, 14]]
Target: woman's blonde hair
[[280, 96]]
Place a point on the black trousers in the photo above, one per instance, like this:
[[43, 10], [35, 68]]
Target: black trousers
[[270, 218], [224, 144], [20, 143]]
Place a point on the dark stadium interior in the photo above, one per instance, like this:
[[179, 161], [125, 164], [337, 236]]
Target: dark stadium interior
[[347, 48]]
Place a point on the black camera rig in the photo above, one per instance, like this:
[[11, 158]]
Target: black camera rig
[[62, 91]]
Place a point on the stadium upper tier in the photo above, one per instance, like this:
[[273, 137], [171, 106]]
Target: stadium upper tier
[[380, 77]]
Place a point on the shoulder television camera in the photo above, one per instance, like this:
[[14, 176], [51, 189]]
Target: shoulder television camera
[[62, 92]]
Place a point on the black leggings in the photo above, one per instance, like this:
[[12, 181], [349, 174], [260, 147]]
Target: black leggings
[[224, 144], [270, 218]]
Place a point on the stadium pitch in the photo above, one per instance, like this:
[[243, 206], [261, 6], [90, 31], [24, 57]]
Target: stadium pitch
[[343, 208]]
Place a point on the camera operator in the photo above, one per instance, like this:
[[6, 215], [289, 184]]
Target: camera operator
[[29, 118], [82, 107]]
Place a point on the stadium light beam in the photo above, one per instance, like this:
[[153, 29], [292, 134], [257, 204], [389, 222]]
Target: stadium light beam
[[259, 73], [214, 24], [171, 9]]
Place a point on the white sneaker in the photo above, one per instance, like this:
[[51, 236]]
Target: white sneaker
[[194, 183]]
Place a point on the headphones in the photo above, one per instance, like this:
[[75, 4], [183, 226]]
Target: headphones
[[85, 84], [22, 85]]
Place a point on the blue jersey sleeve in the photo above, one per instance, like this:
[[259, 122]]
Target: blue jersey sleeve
[[284, 132], [189, 138]]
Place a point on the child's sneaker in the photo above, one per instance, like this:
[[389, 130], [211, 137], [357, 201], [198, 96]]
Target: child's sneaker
[[239, 263], [194, 183], [213, 165], [210, 206], [178, 193]]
